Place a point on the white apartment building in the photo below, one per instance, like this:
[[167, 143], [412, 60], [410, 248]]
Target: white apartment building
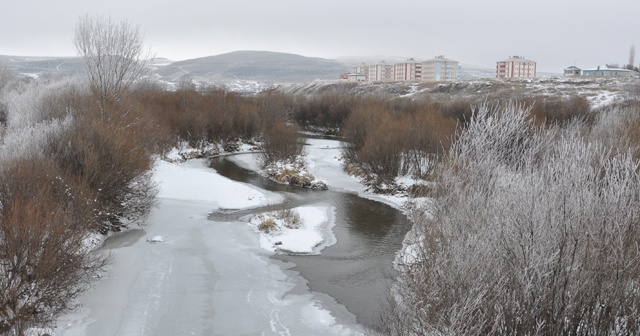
[[440, 69], [515, 67], [407, 71], [381, 72]]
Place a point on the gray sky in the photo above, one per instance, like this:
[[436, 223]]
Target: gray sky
[[555, 33]]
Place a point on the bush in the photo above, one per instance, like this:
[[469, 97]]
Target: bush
[[532, 232], [560, 111], [386, 139], [201, 118], [44, 265], [113, 155], [618, 128], [281, 142], [328, 111]]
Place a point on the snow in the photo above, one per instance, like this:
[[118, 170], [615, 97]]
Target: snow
[[156, 239], [311, 237], [35, 331], [194, 181], [211, 277], [603, 99], [325, 163]]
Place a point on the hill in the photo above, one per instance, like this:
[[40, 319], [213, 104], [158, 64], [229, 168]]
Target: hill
[[36, 66], [262, 66]]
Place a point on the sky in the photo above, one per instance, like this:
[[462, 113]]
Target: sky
[[554, 33]]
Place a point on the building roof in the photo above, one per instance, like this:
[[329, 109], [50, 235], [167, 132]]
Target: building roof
[[517, 58], [440, 58], [607, 69], [573, 67]]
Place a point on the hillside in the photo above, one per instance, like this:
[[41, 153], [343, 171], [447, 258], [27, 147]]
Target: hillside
[[36, 66], [263, 66], [599, 91]]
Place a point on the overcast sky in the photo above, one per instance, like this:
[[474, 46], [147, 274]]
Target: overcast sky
[[555, 33]]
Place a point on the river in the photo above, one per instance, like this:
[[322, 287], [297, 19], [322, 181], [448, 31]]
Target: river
[[355, 271], [211, 277]]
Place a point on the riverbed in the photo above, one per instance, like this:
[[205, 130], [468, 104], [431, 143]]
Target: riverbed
[[208, 274]]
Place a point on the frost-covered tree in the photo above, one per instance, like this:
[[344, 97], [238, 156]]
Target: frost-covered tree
[[37, 113], [7, 76], [113, 54], [531, 232]]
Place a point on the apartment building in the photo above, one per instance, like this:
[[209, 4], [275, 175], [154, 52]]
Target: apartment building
[[381, 72], [407, 71], [440, 69], [436, 69], [515, 67]]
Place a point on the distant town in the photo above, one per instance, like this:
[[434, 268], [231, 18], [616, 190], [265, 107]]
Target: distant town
[[441, 68]]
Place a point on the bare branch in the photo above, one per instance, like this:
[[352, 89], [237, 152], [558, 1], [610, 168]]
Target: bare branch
[[113, 54]]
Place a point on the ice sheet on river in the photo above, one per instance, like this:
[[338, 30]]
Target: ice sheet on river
[[209, 278]]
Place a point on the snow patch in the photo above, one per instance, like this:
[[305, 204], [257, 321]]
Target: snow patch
[[195, 181], [313, 234], [156, 239]]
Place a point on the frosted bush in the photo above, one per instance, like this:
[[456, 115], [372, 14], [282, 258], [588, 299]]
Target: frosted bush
[[533, 232]]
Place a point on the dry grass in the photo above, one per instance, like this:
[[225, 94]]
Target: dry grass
[[268, 225], [290, 218]]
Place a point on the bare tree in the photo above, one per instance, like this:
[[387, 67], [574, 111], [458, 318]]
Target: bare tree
[[113, 54], [632, 56]]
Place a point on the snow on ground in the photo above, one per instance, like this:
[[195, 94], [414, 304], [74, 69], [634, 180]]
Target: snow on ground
[[604, 99], [194, 181], [313, 234], [325, 163]]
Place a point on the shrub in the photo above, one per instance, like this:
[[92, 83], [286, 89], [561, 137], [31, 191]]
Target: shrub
[[281, 142], [532, 232], [618, 128], [113, 156], [459, 109], [329, 111], [44, 220], [560, 111], [386, 142]]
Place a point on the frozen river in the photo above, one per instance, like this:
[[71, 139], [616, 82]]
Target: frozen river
[[212, 277]]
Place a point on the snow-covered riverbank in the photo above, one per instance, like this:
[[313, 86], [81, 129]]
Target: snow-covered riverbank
[[324, 163]]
